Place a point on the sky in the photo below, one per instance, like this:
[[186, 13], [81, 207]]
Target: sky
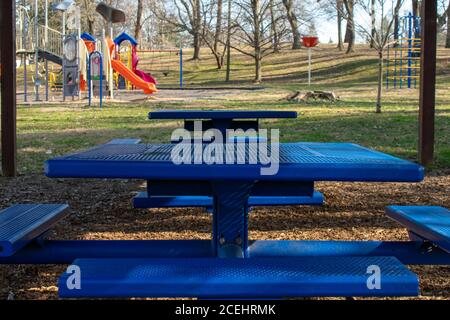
[[327, 28]]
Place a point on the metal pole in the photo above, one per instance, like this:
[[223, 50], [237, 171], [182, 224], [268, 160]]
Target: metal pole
[[46, 23], [45, 47], [46, 80], [64, 25], [89, 80], [181, 67], [24, 47], [409, 48], [309, 66], [36, 53], [101, 78]]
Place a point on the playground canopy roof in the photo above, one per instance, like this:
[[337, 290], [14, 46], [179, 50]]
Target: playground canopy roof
[[125, 37], [88, 37]]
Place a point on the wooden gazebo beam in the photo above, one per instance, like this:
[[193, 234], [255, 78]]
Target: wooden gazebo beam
[[427, 82], [8, 86]]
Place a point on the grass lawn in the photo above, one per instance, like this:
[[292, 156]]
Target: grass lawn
[[48, 130]]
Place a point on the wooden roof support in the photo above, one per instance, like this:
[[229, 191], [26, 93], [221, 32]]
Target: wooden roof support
[[8, 86], [427, 82]]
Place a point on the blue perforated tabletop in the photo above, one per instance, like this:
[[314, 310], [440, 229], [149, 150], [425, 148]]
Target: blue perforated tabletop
[[298, 162], [220, 114]]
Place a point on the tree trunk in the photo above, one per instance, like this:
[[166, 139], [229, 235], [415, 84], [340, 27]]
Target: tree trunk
[[217, 34], [258, 70], [274, 30], [340, 45], [416, 12], [380, 81], [138, 25], [256, 7], [197, 20], [90, 21], [372, 22], [228, 71], [396, 29], [350, 30], [196, 44], [447, 38], [293, 22]]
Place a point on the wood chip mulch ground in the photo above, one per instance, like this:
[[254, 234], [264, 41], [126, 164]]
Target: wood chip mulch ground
[[102, 209]]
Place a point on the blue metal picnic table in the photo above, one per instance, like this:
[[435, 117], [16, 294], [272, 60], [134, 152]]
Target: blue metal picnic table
[[277, 268], [231, 185], [280, 268], [222, 119]]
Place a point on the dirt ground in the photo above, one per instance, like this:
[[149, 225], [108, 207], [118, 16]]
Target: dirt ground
[[137, 96], [102, 210]]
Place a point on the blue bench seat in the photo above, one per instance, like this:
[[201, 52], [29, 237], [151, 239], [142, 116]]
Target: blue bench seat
[[238, 278], [143, 201], [22, 223], [428, 222]]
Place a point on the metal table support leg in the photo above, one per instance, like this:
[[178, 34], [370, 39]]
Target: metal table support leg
[[230, 218]]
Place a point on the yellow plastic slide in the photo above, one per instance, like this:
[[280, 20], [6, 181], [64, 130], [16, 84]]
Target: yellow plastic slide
[[128, 74]]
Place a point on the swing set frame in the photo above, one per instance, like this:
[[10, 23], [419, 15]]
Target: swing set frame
[[180, 56]]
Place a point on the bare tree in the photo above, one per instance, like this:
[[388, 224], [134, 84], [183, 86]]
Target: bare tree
[[187, 17], [339, 6], [372, 23], [274, 29], [253, 31], [447, 38], [228, 41], [293, 22], [88, 14], [218, 32], [212, 35], [350, 34], [138, 24], [386, 11]]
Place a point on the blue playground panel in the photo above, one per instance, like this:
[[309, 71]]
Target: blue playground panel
[[222, 115], [22, 223], [298, 162], [429, 222], [142, 200], [240, 278]]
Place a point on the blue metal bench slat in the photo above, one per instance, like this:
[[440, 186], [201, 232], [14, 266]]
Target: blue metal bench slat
[[141, 200], [125, 141], [429, 222], [220, 114], [21, 223], [239, 278]]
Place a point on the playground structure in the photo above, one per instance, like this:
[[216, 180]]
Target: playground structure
[[129, 75], [69, 54], [43, 45], [403, 55]]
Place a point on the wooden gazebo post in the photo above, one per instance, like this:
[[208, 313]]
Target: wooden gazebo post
[[427, 82], [8, 86]]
